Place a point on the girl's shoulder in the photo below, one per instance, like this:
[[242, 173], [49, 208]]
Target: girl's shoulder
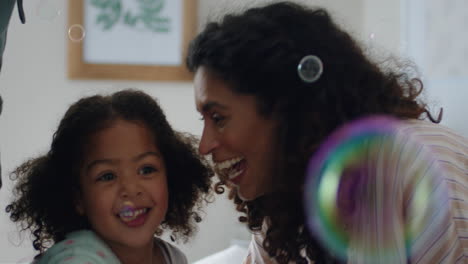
[[79, 247], [172, 255]]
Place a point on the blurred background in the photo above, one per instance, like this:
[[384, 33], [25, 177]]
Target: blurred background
[[37, 91]]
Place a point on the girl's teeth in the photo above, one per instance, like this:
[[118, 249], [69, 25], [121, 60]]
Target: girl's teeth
[[132, 215]]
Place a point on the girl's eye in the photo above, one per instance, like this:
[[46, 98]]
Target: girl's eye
[[147, 170], [106, 177]]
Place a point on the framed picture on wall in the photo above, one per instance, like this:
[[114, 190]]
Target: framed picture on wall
[[130, 39]]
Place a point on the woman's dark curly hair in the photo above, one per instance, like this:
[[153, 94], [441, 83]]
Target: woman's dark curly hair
[[47, 186], [257, 53]]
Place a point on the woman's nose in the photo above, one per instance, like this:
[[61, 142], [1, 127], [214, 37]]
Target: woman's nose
[[208, 142]]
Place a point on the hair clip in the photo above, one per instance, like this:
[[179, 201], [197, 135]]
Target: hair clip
[[310, 68]]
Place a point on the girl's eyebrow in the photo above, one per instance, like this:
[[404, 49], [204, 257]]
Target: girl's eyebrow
[[146, 154], [100, 161], [115, 161]]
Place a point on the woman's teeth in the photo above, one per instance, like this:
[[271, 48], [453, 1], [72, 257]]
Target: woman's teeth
[[235, 174], [227, 163], [229, 169]]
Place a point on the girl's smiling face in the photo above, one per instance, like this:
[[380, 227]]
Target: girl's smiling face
[[123, 168]]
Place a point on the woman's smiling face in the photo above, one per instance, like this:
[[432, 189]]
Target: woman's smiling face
[[239, 139]]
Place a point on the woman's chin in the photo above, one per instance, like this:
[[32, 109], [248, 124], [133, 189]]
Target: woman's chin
[[247, 196]]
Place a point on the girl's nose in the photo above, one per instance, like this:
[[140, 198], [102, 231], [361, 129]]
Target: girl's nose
[[130, 188]]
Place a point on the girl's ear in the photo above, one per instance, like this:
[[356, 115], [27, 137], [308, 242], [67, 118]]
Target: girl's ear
[[79, 209], [79, 204]]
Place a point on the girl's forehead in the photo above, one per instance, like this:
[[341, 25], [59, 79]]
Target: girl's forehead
[[122, 136]]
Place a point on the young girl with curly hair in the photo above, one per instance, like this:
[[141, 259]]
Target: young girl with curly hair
[[115, 178]]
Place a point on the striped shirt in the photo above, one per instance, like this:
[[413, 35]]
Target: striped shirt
[[414, 208]]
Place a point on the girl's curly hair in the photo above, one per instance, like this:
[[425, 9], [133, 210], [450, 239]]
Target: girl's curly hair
[[257, 52], [46, 186]]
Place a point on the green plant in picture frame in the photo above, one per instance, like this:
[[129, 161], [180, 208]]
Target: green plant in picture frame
[[143, 13]]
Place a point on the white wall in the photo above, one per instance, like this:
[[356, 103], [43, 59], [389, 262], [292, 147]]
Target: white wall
[[36, 94], [382, 25], [430, 34], [437, 42]]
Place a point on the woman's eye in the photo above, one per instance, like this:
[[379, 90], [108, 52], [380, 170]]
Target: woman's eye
[[218, 119], [147, 170], [106, 177]]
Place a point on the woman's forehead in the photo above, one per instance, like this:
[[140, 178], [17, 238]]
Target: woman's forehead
[[211, 91]]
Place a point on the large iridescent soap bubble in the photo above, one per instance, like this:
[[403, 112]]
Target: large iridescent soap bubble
[[361, 201]]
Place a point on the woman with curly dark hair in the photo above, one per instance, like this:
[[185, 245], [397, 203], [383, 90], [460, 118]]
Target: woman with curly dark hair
[[116, 175], [271, 84]]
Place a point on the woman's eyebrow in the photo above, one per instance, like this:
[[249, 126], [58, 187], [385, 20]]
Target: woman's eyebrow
[[210, 105]]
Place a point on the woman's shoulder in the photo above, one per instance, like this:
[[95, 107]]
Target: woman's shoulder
[[439, 139], [424, 128], [79, 247], [171, 253]]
